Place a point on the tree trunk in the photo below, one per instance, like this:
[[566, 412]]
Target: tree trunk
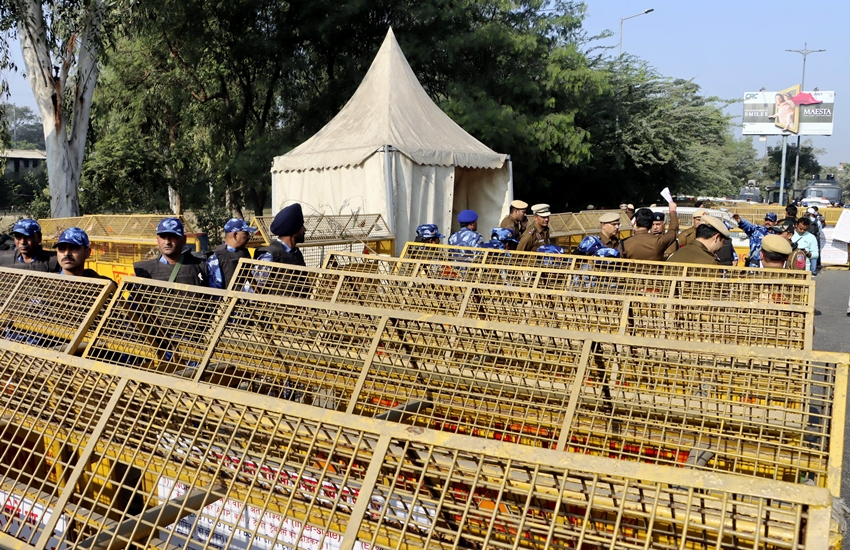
[[65, 147]]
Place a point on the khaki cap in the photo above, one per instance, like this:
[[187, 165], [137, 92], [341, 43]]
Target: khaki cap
[[717, 224], [776, 244], [609, 217], [700, 213], [519, 205], [541, 210]]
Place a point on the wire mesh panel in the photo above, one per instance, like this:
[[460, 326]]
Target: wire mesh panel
[[594, 278], [298, 353], [49, 310], [158, 462], [483, 378], [49, 410], [51, 228], [742, 322], [156, 326], [109, 226], [439, 252], [764, 417], [472, 381]]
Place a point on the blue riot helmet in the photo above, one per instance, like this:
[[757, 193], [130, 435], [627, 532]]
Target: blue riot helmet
[[550, 249], [589, 245], [494, 244], [504, 234], [606, 252]]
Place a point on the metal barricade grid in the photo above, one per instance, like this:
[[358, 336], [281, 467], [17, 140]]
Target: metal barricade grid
[[301, 354], [157, 326], [159, 461], [477, 377], [443, 253], [670, 406], [750, 288], [48, 409], [754, 318], [49, 310], [51, 228]]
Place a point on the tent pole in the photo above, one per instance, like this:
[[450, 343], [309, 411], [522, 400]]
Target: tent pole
[[388, 176], [510, 181]]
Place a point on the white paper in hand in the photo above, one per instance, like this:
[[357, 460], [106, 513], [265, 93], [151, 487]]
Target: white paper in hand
[[665, 194]]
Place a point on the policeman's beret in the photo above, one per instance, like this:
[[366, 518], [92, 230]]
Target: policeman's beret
[[288, 221], [658, 216]]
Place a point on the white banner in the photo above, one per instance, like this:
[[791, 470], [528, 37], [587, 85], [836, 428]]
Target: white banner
[[834, 251], [27, 517], [228, 518]]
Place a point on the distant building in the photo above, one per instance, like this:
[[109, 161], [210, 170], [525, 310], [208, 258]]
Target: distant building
[[21, 161]]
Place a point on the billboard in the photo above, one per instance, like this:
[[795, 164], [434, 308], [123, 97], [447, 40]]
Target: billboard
[[789, 111]]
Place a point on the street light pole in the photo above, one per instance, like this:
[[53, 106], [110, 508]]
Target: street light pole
[[804, 52], [644, 12]]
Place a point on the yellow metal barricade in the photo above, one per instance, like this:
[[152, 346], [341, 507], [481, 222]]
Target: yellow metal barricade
[[761, 412], [109, 457], [117, 241], [49, 310], [595, 275], [568, 229], [593, 310], [440, 252]]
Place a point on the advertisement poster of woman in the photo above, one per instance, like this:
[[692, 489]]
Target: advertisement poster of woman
[[786, 113]]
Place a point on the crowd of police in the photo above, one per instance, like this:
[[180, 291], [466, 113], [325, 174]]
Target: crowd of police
[[176, 262], [793, 243]]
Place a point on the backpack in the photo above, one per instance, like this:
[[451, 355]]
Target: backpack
[[798, 260]]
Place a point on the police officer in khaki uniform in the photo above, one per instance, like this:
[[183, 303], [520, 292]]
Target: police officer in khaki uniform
[[609, 229], [710, 236], [775, 251], [643, 245], [514, 218], [687, 236], [537, 232]]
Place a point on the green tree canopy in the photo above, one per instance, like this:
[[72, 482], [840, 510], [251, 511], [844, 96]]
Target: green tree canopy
[[23, 126]]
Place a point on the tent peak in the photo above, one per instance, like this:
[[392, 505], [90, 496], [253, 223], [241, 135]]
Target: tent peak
[[390, 107]]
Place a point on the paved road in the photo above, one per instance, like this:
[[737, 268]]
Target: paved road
[[832, 332]]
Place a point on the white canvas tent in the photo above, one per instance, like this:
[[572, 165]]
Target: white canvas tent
[[392, 151]]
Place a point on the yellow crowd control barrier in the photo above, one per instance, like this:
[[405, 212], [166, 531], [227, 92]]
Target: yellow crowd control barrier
[[568, 229], [98, 456], [761, 412], [361, 233], [117, 241], [442, 252], [744, 323], [49, 310], [599, 275]]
